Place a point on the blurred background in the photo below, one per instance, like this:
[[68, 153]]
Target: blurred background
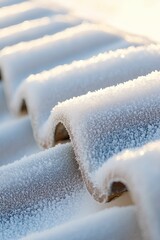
[[135, 16]]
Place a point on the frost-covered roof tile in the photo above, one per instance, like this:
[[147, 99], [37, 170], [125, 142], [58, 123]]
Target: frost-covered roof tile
[[62, 192]]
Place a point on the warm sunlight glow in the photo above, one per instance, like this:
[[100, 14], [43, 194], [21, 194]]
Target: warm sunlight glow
[[139, 17]]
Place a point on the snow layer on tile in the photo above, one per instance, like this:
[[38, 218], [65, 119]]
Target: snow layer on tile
[[33, 29], [48, 189], [16, 136], [115, 223], [17, 13], [139, 170], [78, 78], [16, 139], [103, 123], [42, 191], [19, 61]]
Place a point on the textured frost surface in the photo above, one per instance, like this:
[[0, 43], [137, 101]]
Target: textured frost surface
[[105, 122], [16, 140], [16, 137], [80, 77], [139, 169], [42, 191], [115, 223], [19, 61], [47, 191]]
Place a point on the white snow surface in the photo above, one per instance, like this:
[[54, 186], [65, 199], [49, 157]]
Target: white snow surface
[[34, 29], [19, 61], [96, 86], [42, 191], [105, 122], [78, 78], [17, 134], [26, 10], [97, 226], [139, 169]]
